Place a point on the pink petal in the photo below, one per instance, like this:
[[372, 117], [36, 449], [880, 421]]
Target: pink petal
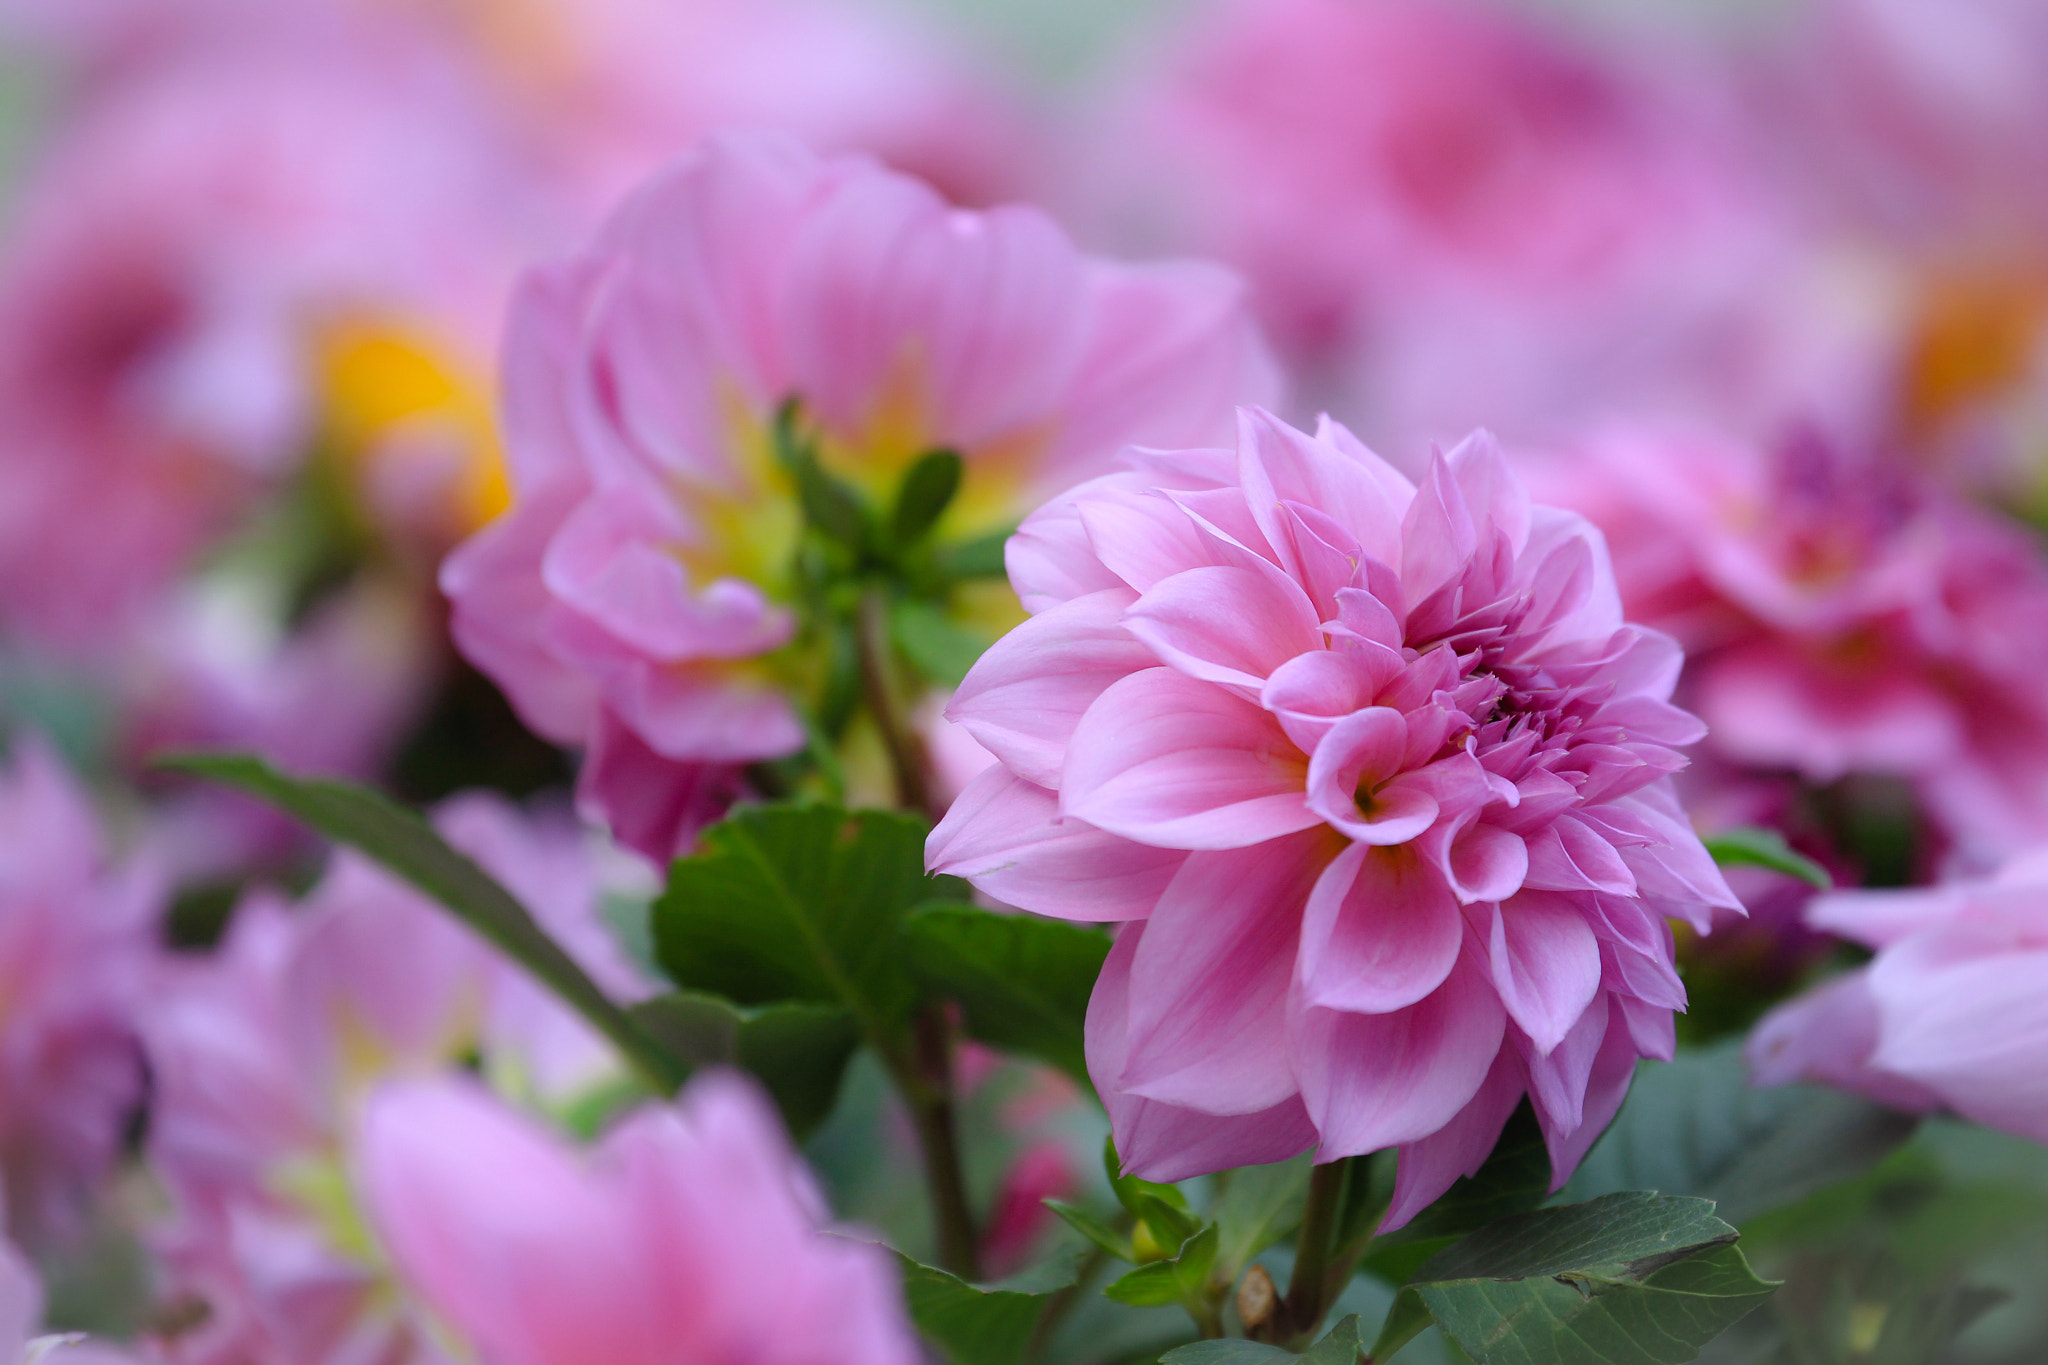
[[1495, 494], [1023, 698], [1166, 760], [888, 293], [653, 805], [1225, 625], [1606, 1087], [1567, 856], [1311, 692], [491, 1217], [1008, 838], [1438, 538], [497, 601], [1379, 1080], [1485, 863], [1208, 1024], [1142, 537], [1545, 963], [1430, 1166], [1163, 1141], [1380, 932], [1279, 464]]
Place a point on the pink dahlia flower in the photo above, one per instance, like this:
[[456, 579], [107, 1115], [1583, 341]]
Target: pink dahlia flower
[[77, 942], [263, 1053], [689, 1233], [635, 597], [1378, 777], [1949, 1015], [1841, 614]]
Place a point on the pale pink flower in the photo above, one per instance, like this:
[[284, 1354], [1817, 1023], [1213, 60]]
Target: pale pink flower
[[1452, 207], [77, 940], [264, 1053], [688, 1233], [634, 598], [1376, 773], [1841, 614], [1949, 1015]]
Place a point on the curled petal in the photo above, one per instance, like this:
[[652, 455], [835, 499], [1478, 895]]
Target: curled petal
[[1545, 963]]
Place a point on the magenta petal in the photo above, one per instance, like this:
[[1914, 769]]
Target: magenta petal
[[1430, 1166], [1545, 963], [1008, 838], [1565, 855], [1380, 932], [1166, 760], [1497, 498], [1279, 464], [1378, 1080], [1208, 1021], [1163, 1141], [1023, 698], [1225, 625]]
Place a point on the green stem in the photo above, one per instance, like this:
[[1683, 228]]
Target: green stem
[[879, 684], [1308, 1290], [924, 1078]]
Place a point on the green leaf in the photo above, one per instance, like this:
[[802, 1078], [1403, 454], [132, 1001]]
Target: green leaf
[[1260, 1205], [1697, 1126], [798, 1051], [974, 1324], [1515, 1178], [978, 558], [1183, 1278], [407, 846], [830, 507], [927, 491], [938, 646], [798, 903], [1626, 1278], [1751, 846], [1339, 1346], [1094, 1229], [1022, 982]]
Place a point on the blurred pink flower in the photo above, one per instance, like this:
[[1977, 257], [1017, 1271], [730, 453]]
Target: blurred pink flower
[[1841, 614], [1377, 774], [77, 939], [264, 1052], [180, 248], [1450, 207], [633, 600], [1949, 1015], [689, 1233], [213, 669]]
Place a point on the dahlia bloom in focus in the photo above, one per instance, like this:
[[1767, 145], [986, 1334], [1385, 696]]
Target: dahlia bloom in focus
[[1950, 1014], [1841, 614], [1378, 778], [77, 940], [264, 1052], [688, 1233], [635, 598]]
